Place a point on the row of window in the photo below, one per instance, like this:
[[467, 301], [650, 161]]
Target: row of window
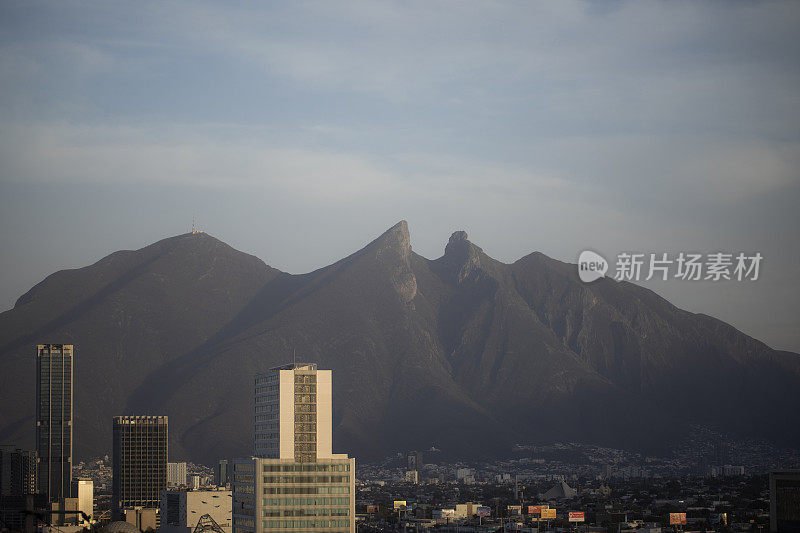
[[306, 479], [306, 502], [305, 398], [306, 490], [277, 513], [297, 524], [314, 467]]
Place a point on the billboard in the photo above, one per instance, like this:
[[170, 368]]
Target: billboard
[[576, 516], [483, 511], [537, 509], [400, 504], [372, 509], [677, 518], [548, 513], [514, 509]]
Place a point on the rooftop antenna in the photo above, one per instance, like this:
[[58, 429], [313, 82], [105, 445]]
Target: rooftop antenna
[[294, 356]]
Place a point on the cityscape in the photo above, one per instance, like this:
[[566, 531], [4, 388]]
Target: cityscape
[[294, 481], [395, 266]]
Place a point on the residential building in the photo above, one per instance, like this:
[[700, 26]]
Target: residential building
[[17, 471], [54, 419], [176, 474]]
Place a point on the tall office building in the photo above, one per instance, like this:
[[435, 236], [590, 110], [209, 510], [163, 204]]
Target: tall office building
[[54, 419], [17, 471], [295, 481], [140, 462]]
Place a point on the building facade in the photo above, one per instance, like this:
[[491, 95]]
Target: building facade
[[182, 509], [54, 419], [221, 473], [83, 490], [295, 481], [17, 471], [784, 501], [139, 462], [176, 474]]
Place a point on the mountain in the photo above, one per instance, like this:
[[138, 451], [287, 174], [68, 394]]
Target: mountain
[[462, 352]]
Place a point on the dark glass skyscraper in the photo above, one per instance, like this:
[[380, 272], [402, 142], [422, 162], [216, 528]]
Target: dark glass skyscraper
[[54, 419], [140, 461]]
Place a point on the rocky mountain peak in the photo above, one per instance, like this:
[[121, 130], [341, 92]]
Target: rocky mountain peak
[[461, 257]]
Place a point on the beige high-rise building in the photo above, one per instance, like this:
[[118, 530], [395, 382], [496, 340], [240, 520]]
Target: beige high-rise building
[[295, 481]]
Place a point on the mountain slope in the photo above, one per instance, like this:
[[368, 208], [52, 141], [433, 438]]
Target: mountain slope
[[462, 352]]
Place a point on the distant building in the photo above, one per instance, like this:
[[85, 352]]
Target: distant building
[[195, 481], [784, 501], [182, 509], [83, 491], [221, 473], [17, 471], [466, 510], [139, 463], [414, 460], [54, 419], [176, 474], [295, 482]]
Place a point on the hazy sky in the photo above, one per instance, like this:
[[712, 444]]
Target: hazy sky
[[299, 131]]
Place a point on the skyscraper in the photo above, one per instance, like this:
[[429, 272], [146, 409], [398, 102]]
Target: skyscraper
[[140, 462], [54, 419], [295, 482]]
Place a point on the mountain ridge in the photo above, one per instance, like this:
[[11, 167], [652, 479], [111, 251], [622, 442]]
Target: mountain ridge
[[462, 351]]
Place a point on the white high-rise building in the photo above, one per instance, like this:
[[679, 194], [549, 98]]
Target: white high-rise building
[[83, 490], [295, 481], [176, 474]]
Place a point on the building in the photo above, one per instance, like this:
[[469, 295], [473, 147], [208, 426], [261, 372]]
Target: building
[[139, 463], [784, 501], [295, 481], [176, 474], [54, 419], [414, 460], [17, 471], [83, 491], [221, 473], [182, 509]]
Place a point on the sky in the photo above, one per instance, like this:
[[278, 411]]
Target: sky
[[300, 131]]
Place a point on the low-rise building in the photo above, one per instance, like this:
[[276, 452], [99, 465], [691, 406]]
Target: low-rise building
[[182, 509]]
